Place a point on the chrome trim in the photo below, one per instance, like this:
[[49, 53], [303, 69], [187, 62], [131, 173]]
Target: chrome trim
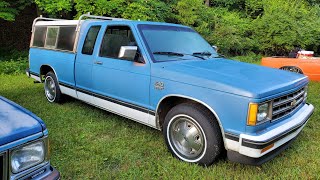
[[271, 105], [22, 173], [201, 102], [288, 100], [298, 103], [173, 145], [34, 24], [76, 41]]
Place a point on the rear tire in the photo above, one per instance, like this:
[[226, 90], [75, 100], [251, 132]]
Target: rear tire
[[192, 134], [51, 88]]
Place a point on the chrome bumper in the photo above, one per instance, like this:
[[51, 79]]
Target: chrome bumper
[[257, 146]]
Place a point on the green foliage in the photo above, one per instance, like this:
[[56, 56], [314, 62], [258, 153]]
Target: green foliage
[[9, 10], [13, 66], [237, 27], [286, 24], [232, 33], [6, 12], [151, 10], [13, 62], [189, 11], [112, 8], [55, 7]]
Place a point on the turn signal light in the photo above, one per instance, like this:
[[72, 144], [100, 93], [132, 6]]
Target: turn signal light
[[267, 148], [252, 114]]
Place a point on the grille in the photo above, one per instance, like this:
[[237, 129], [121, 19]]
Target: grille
[[284, 105], [1, 167]]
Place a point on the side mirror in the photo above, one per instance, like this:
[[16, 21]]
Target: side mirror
[[128, 52]]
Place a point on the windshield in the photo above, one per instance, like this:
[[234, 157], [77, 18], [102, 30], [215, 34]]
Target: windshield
[[168, 43]]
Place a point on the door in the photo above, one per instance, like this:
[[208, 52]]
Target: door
[[121, 85], [83, 65]]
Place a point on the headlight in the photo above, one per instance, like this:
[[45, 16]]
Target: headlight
[[27, 156], [257, 113], [262, 112]]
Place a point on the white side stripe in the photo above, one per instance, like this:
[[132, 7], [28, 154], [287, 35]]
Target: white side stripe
[[130, 113], [68, 91]]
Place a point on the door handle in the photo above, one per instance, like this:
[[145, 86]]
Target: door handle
[[98, 62]]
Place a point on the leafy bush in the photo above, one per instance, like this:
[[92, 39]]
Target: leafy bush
[[286, 24], [14, 62], [237, 27]]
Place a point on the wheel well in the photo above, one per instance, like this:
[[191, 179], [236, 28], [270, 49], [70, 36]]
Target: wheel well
[[300, 70], [44, 70], [169, 102]]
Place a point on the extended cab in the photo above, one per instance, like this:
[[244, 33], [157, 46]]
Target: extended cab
[[168, 77], [24, 145]]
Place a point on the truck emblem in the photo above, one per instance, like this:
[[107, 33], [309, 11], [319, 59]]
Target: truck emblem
[[159, 85], [293, 103]]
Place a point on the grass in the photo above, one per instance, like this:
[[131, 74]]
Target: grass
[[89, 143]]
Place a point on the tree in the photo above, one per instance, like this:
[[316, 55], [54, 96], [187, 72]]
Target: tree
[[286, 24], [9, 10]]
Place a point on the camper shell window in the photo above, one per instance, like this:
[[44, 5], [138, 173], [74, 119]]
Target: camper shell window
[[51, 39], [54, 37]]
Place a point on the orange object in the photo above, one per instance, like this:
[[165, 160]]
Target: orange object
[[267, 148], [252, 116], [309, 66]]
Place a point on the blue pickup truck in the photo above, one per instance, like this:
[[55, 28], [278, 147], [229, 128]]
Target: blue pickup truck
[[24, 144], [168, 77]]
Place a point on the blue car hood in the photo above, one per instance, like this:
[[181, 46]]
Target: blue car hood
[[16, 122], [230, 76]]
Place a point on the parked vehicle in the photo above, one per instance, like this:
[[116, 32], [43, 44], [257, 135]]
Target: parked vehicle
[[168, 77], [303, 63], [24, 144]]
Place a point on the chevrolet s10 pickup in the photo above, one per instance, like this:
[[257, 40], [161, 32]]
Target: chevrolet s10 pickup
[[24, 145], [168, 77]]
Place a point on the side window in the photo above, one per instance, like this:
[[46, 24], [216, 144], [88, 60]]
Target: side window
[[90, 40], [66, 38], [39, 36], [114, 38], [51, 40]]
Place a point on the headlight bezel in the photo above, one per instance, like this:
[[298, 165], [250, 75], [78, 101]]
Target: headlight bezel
[[253, 113], [45, 143]]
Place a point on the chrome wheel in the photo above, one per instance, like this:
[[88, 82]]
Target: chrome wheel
[[292, 69], [50, 88], [186, 138]]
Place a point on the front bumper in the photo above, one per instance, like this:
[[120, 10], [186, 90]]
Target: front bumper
[[257, 149], [54, 175]]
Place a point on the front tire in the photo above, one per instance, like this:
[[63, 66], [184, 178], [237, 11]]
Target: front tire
[[192, 134], [51, 88]]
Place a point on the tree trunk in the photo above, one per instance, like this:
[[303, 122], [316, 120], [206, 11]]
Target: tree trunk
[[207, 3]]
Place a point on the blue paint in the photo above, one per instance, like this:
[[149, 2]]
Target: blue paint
[[226, 86], [16, 122], [19, 126]]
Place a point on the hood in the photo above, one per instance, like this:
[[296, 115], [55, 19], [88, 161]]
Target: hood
[[230, 76], [17, 122]]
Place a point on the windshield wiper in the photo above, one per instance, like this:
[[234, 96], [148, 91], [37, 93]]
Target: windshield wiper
[[177, 54], [169, 53], [219, 56], [202, 53]]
